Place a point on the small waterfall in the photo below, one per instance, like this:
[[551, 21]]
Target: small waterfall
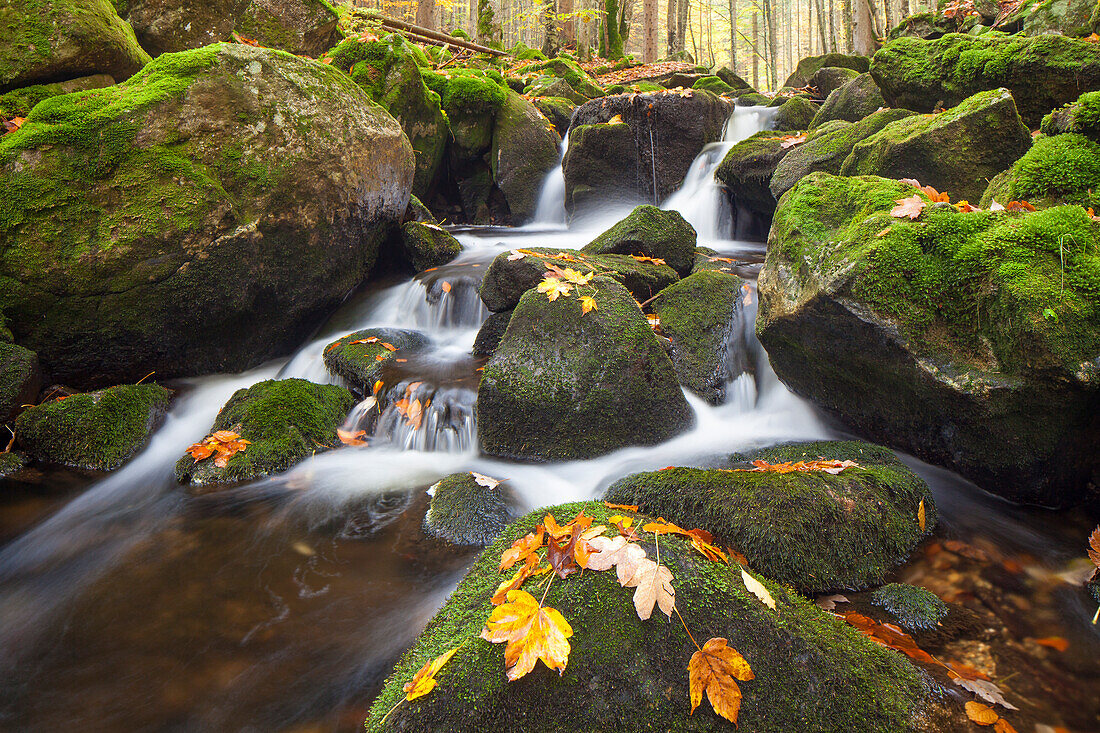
[[419, 416], [700, 198], [551, 206]]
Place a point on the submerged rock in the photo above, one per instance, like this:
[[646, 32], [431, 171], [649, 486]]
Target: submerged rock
[[703, 317], [1064, 169], [814, 530], [43, 41], [1042, 72], [650, 232], [427, 245], [145, 223], [463, 512], [852, 101], [286, 420], [305, 27], [813, 672], [563, 384], [915, 609], [971, 340], [358, 357], [956, 151], [99, 430], [20, 379]]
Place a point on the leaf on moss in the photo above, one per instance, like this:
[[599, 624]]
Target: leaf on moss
[[554, 288], [757, 588], [616, 552], [715, 669], [522, 547], [487, 481], [530, 632], [653, 586], [424, 680], [908, 207]]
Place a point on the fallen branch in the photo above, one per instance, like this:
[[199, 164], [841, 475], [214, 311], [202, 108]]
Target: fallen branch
[[401, 26]]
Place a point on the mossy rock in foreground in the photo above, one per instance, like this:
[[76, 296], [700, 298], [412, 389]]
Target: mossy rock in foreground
[[969, 339], [851, 102], [285, 419], [813, 673], [650, 232], [814, 530], [359, 363], [1064, 169], [915, 608], [99, 430], [464, 512], [795, 114], [10, 462]]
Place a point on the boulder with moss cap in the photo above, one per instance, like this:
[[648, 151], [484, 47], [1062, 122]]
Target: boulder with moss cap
[[969, 339], [465, 512], [852, 101], [20, 379], [1082, 117], [358, 357], [1064, 169]]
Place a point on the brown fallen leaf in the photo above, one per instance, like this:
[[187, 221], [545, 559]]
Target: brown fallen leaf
[[757, 588], [487, 481], [522, 547], [703, 541], [715, 669], [653, 586], [1094, 547], [525, 571], [445, 286], [1018, 206], [348, 437], [981, 714], [634, 508], [789, 141], [1053, 642], [908, 207], [609, 552], [922, 520], [531, 633]]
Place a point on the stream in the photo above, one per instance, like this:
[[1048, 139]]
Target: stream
[[129, 605]]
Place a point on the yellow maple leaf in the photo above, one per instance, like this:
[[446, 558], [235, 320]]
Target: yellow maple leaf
[[588, 303], [531, 633], [572, 276], [553, 287], [715, 669], [424, 680]]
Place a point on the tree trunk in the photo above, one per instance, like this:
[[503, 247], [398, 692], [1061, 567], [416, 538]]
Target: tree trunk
[[863, 32], [649, 31], [682, 23], [550, 40], [772, 44], [733, 35], [756, 49], [846, 14], [568, 34], [832, 26], [426, 14], [611, 43]]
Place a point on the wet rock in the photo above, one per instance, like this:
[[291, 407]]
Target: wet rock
[[666, 132], [957, 151], [286, 420], [418, 212], [464, 512], [813, 673], [650, 232], [926, 26], [427, 245], [1043, 72], [99, 430], [20, 380], [564, 384], [828, 79], [747, 172], [852, 101], [304, 27], [389, 71], [703, 317], [795, 114], [556, 109], [221, 186], [524, 149], [10, 462], [1064, 169], [360, 363], [933, 340], [752, 99], [810, 65], [44, 41], [471, 98], [20, 102], [827, 147], [914, 608], [1082, 117], [491, 332], [601, 168], [507, 280], [814, 530]]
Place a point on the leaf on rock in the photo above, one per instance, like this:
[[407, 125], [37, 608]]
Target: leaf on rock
[[828, 603], [981, 714], [1094, 547], [964, 207], [521, 575], [616, 552], [223, 445], [653, 585], [487, 481], [565, 550], [424, 680], [1018, 206], [634, 507], [516, 255], [588, 303], [572, 276], [703, 541], [789, 141], [909, 207], [890, 636], [644, 258], [922, 520], [994, 206], [715, 669], [661, 526], [531, 633], [522, 547], [554, 288], [827, 466], [757, 589], [983, 688]]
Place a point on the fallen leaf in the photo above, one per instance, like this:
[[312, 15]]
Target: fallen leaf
[[1053, 642], [616, 120], [984, 689], [653, 585], [369, 340], [981, 714], [424, 681], [516, 255], [588, 303], [789, 141], [1019, 206], [890, 636], [1003, 726], [715, 669], [609, 552], [531, 633], [554, 288], [964, 207], [445, 286], [223, 445], [757, 589], [634, 508], [884, 232], [644, 258], [828, 603], [831, 467], [522, 547], [1094, 547], [703, 541], [909, 207], [415, 414], [487, 481], [347, 437], [994, 206], [565, 551], [663, 527], [572, 276], [377, 386], [921, 518], [525, 571]]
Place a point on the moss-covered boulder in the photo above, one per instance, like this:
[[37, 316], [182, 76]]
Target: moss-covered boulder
[[142, 224], [601, 168], [813, 672], [828, 79], [306, 27], [99, 430], [491, 332], [852, 101], [747, 171], [814, 530], [703, 317], [358, 357], [1064, 169], [507, 280], [20, 379], [571, 72], [43, 41], [552, 86], [733, 80], [464, 512], [914, 608], [564, 384], [471, 98], [286, 420], [389, 71], [427, 245], [827, 147], [1043, 72], [810, 65], [1067, 17], [556, 109], [795, 114], [524, 149], [1082, 117], [714, 85], [20, 102], [667, 130], [957, 151], [969, 339], [752, 99], [926, 26], [650, 232]]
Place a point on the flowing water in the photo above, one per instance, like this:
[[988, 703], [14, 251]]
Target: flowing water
[[128, 605]]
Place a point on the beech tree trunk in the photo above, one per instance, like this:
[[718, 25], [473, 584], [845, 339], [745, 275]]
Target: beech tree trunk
[[649, 31], [426, 14], [568, 29], [863, 31]]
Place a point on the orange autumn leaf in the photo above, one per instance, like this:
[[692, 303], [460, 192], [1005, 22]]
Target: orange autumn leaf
[[368, 340], [531, 633], [922, 518], [566, 551], [908, 207], [445, 286], [588, 303], [554, 288], [981, 714], [377, 387], [1019, 206], [703, 541], [522, 547], [347, 437], [634, 508], [1003, 726], [1053, 642], [833, 467], [388, 347], [424, 681], [1094, 547], [223, 444], [661, 526], [415, 414], [890, 636], [644, 258], [964, 207], [715, 669], [517, 579]]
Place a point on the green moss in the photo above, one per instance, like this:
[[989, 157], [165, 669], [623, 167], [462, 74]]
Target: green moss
[[629, 675], [19, 377], [814, 530], [98, 430], [571, 72], [464, 512], [1064, 169], [795, 114], [471, 99], [712, 84], [1082, 116], [11, 462], [914, 608], [285, 419], [1026, 284], [650, 232], [359, 363], [427, 245]]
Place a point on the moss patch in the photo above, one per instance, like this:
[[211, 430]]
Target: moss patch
[[650, 232], [465, 513], [916, 609], [1064, 169], [359, 363]]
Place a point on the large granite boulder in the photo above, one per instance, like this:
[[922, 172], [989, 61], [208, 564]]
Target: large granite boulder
[[524, 149], [810, 65], [199, 217], [852, 101]]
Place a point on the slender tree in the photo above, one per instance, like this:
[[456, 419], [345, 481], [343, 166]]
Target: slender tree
[[426, 13], [649, 31], [863, 32]]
